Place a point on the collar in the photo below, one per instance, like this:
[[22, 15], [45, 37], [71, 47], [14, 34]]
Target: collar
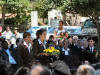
[[27, 44], [7, 50], [40, 42], [91, 47], [65, 50]]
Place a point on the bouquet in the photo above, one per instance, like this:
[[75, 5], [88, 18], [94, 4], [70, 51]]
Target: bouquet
[[51, 51]]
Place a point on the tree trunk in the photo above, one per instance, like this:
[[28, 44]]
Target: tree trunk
[[98, 30], [3, 16], [75, 24], [64, 18]]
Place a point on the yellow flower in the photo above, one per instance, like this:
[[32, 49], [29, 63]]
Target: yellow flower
[[50, 51], [52, 48]]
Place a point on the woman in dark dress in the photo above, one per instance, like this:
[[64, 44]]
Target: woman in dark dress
[[39, 45]]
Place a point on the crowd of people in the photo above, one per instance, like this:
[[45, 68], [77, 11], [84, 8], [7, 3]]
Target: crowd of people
[[24, 56]]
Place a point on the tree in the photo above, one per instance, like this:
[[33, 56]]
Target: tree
[[89, 8], [42, 6], [19, 7]]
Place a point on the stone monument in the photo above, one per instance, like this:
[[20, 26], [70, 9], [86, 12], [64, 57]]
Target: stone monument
[[34, 18]]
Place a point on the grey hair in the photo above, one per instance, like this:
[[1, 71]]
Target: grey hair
[[85, 70], [75, 37]]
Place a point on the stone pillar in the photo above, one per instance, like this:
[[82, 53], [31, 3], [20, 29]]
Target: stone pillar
[[34, 18]]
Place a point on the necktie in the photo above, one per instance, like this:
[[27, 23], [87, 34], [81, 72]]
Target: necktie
[[91, 49]]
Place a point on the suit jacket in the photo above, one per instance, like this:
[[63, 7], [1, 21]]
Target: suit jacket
[[90, 56], [62, 54], [75, 50], [5, 57], [25, 58], [37, 48]]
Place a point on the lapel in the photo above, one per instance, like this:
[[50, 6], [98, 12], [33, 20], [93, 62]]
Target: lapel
[[11, 51], [94, 50], [41, 47], [26, 49], [4, 53], [42, 44], [88, 49]]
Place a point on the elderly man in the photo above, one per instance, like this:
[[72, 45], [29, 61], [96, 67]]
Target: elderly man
[[85, 70], [75, 50]]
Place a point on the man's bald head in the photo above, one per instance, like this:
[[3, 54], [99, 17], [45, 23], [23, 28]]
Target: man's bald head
[[40, 70]]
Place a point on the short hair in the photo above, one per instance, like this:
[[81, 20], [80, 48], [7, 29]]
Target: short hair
[[39, 32], [66, 32], [75, 37], [61, 21], [51, 36], [85, 70], [90, 39], [26, 34], [4, 44], [61, 68]]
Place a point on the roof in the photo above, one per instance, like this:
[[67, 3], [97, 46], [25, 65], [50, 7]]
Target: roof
[[8, 15]]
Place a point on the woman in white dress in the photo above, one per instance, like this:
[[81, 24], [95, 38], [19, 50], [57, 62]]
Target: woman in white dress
[[59, 30]]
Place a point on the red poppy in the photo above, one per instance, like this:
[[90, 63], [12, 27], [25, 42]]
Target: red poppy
[[94, 50]]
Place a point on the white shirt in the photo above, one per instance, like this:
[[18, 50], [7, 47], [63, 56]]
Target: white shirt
[[59, 31], [29, 46], [18, 35], [7, 35], [13, 40], [91, 48], [66, 51], [44, 44]]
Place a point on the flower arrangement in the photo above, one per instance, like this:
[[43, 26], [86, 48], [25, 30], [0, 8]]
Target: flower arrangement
[[51, 51]]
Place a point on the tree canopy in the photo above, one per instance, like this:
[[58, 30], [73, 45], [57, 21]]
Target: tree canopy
[[82, 7], [19, 7]]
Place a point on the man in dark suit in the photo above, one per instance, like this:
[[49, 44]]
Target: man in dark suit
[[74, 47], [9, 55], [65, 51], [25, 58], [91, 53], [39, 45]]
